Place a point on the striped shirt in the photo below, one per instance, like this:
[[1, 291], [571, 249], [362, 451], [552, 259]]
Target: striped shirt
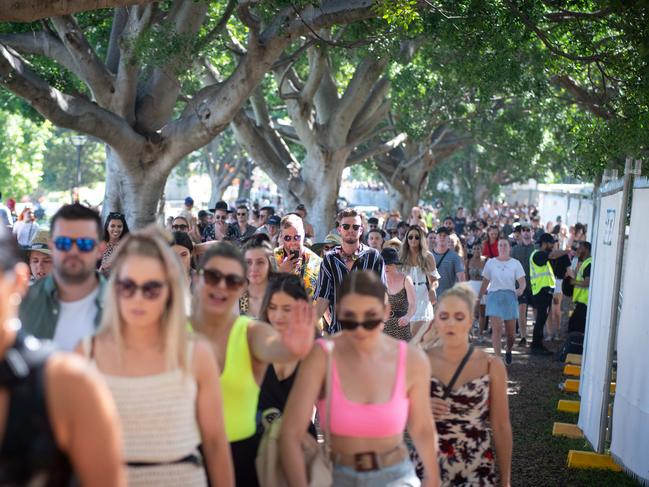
[[333, 270]]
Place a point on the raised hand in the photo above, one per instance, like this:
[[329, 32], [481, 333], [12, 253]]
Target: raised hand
[[299, 335]]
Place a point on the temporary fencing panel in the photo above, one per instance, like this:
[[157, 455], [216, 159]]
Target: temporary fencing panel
[[598, 323], [630, 442]]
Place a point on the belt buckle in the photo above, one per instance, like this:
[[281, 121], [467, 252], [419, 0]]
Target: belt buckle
[[361, 461]]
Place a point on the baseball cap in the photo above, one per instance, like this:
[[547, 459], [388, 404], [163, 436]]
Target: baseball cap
[[373, 221], [274, 220], [547, 238], [189, 201], [441, 230], [525, 225]]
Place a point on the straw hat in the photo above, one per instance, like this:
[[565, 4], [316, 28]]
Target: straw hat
[[39, 243], [395, 243]]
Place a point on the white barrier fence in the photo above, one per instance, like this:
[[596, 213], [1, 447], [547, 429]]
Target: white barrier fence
[[630, 438], [600, 312]]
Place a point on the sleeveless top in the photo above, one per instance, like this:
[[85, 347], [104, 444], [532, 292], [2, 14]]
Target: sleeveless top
[[29, 454], [159, 425], [465, 454], [374, 420], [274, 392], [398, 308], [238, 386]]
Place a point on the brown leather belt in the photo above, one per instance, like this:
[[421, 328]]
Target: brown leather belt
[[371, 460]]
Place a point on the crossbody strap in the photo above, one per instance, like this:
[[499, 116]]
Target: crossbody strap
[[328, 383], [449, 388], [442, 259]]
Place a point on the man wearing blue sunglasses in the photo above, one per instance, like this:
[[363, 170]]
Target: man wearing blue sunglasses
[[66, 305]]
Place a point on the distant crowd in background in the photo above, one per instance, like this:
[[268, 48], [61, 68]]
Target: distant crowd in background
[[208, 326]]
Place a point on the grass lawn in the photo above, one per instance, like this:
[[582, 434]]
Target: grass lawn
[[539, 459]]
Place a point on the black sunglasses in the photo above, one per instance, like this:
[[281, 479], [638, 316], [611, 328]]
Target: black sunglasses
[[213, 277], [151, 290], [367, 324], [288, 238], [347, 226], [242, 214], [220, 218], [180, 227], [115, 214], [413, 237]]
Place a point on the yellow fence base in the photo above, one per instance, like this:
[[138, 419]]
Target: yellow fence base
[[572, 385], [573, 358], [567, 430], [568, 406], [572, 370], [586, 459]]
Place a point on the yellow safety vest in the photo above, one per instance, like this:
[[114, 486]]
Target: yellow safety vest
[[580, 294], [541, 277]]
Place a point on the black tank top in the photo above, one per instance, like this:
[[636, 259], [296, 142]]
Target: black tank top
[[29, 454]]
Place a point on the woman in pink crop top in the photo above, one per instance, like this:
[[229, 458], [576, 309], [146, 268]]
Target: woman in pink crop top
[[379, 388]]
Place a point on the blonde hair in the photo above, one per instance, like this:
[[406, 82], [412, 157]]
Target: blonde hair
[[292, 220], [151, 242], [420, 259], [463, 292]]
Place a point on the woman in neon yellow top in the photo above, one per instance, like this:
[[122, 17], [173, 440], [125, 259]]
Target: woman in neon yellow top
[[244, 348]]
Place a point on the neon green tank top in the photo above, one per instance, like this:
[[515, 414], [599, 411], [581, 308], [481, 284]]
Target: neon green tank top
[[239, 388]]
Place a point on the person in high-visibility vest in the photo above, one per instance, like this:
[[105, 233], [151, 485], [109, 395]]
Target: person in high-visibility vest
[[542, 281], [581, 280]]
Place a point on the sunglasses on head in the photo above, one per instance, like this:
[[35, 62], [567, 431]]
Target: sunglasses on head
[[367, 324], [413, 237], [347, 226], [151, 290], [84, 244], [181, 228], [115, 214], [296, 238], [212, 277]]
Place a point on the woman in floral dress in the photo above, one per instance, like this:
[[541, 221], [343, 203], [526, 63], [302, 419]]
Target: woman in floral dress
[[468, 392]]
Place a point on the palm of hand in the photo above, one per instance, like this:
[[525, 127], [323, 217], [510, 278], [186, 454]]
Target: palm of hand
[[298, 337]]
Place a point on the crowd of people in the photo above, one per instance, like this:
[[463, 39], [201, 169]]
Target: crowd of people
[[167, 356]]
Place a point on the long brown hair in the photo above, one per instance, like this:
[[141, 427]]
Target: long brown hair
[[421, 258]]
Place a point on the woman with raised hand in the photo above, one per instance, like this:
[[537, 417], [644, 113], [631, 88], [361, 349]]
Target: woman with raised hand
[[59, 425], [164, 381], [379, 388], [261, 265], [283, 294], [244, 348], [419, 264], [468, 392]]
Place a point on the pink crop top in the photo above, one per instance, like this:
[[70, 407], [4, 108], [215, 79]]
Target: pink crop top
[[358, 420]]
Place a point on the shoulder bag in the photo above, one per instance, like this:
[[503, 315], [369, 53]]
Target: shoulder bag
[[317, 458]]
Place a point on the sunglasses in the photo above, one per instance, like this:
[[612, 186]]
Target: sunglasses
[[413, 237], [367, 324], [296, 238], [242, 214], [151, 290], [526, 230], [347, 226], [83, 244], [182, 228], [327, 248], [213, 277], [220, 217]]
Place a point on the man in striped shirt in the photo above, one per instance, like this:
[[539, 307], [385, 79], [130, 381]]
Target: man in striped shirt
[[350, 256]]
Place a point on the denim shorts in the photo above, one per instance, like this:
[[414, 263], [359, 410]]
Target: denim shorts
[[502, 304], [399, 475]]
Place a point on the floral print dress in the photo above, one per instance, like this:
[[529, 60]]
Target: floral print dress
[[465, 456]]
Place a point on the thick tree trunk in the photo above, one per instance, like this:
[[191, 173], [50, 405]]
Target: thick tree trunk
[[403, 201], [322, 175], [136, 192]]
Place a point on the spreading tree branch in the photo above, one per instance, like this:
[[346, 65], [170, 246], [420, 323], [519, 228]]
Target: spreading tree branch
[[31, 10]]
